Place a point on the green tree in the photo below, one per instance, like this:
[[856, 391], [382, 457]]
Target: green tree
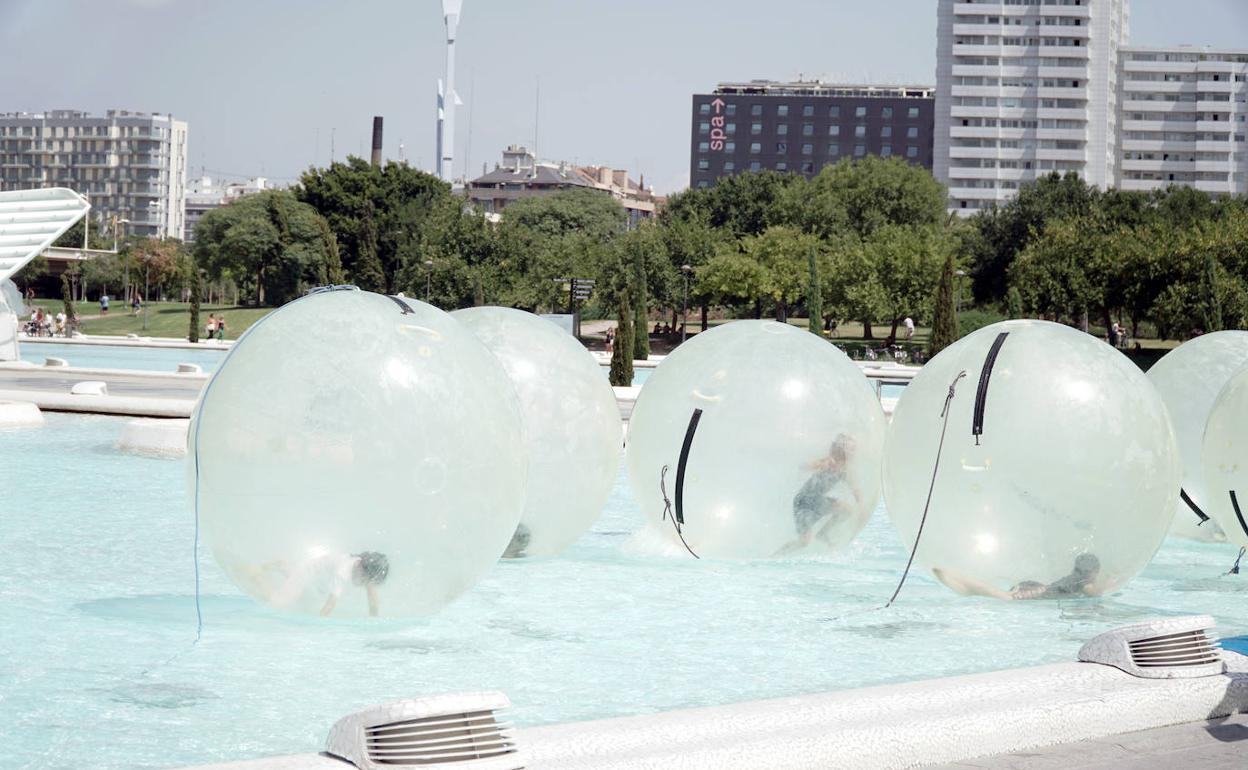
[[944, 318], [67, 298], [1014, 303], [621, 373], [907, 262], [1054, 272], [1004, 231], [640, 298], [402, 199], [863, 196], [197, 288], [1212, 306], [369, 274], [814, 293], [269, 244]]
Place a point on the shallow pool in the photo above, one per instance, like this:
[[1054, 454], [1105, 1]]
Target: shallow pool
[[122, 356], [155, 359], [97, 619]]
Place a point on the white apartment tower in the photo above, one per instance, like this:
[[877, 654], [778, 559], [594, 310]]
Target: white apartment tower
[[129, 165], [1025, 88], [1184, 119]]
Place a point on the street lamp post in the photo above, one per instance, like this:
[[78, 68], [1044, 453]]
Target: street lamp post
[[684, 305], [960, 274], [428, 277]]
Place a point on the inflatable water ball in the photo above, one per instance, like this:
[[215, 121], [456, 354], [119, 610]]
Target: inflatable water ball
[[1189, 379], [1059, 472], [1224, 460], [765, 438], [357, 455], [571, 421]]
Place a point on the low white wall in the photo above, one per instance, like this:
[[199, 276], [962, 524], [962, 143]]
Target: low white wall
[[895, 726]]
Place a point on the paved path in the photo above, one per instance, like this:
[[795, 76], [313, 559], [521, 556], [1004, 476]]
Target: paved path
[[1220, 744]]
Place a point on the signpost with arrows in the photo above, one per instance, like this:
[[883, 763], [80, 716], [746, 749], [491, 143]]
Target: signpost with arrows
[[579, 290]]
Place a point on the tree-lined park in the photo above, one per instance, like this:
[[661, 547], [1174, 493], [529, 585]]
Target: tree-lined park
[[850, 253]]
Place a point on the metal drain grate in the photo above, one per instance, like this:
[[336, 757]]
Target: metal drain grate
[[1188, 648], [1168, 648], [447, 731]]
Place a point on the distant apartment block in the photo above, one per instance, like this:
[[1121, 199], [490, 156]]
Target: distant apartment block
[[522, 175], [129, 165], [205, 194], [801, 127], [1184, 119], [1025, 88]]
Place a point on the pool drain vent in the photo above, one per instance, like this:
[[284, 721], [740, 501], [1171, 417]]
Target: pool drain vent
[[1170, 648], [442, 731]]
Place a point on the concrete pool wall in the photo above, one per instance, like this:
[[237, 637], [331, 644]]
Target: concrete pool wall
[[894, 726]]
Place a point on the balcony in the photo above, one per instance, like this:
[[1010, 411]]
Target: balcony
[[1156, 145], [1130, 65], [1050, 92], [1003, 92], [1075, 155], [1137, 105], [1215, 126], [1141, 185], [1068, 11], [1208, 186]]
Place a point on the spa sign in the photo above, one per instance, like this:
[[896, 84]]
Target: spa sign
[[717, 125]]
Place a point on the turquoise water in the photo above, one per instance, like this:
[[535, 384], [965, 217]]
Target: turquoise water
[[97, 620], [155, 359], [121, 356]]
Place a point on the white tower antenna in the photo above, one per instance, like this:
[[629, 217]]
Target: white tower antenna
[[448, 100]]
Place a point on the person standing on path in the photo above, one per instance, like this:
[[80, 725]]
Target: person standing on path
[[103, 304]]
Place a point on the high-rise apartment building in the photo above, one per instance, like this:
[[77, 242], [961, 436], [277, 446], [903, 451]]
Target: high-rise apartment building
[[801, 127], [130, 165], [1184, 119], [1025, 88]]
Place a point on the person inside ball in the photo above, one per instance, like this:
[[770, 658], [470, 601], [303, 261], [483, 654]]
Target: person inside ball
[[323, 574], [1080, 583], [821, 505]]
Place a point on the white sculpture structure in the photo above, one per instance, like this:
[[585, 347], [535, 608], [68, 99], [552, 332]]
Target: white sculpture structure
[[448, 100], [30, 221]]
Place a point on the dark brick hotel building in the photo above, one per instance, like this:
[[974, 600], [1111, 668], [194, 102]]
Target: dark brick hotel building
[[801, 127]]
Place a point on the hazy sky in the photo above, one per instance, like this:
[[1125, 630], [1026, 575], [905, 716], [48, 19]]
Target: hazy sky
[[263, 83]]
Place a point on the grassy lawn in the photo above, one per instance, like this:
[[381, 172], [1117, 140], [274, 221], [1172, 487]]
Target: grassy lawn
[[164, 319]]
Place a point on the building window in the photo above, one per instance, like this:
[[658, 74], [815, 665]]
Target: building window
[[834, 149], [782, 111], [704, 146], [886, 113], [730, 146], [782, 147], [729, 167], [860, 150], [834, 111], [755, 165], [703, 184], [860, 112], [808, 111], [912, 132], [730, 128], [912, 151], [704, 127], [704, 109], [808, 129], [834, 130], [782, 129], [886, 150], [808, 149], [860, 131], [912, 113], [703, 164], [886, 131], [756, 147], [808, 167], [756, 109], [730, 110], [782, 166], [756, 128]]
